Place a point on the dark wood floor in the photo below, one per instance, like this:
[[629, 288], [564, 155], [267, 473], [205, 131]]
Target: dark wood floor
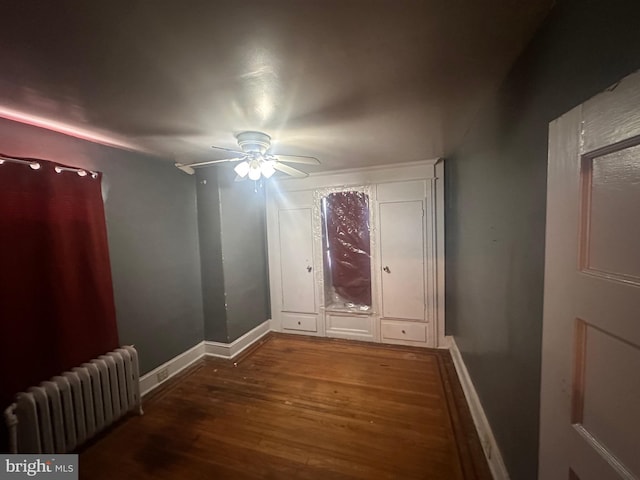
[[300, 408]]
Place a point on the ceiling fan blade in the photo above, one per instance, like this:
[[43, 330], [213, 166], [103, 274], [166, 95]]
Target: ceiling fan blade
[[239, 178], [210, 162], [185, 168], [298, 159], [294, 172], [227, 150]]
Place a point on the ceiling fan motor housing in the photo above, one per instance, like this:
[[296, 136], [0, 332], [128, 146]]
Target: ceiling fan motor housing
[[254, 142]]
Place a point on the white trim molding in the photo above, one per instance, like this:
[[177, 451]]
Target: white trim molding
[[488, 441], [439, 186], [151, 380], [235, 348], [395, 172]]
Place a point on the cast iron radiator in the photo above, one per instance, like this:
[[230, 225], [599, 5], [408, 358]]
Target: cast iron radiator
[[61, 414]]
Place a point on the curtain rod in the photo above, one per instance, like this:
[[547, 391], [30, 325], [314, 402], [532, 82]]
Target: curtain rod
[[32, 163], [5, 157], [36, 166]]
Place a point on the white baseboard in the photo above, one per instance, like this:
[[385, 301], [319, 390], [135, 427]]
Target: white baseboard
[[488, 441], [235, 348], [149, 381]]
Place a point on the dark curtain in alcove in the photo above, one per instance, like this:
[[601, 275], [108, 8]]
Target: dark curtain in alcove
[[56, 295], [347, 231]]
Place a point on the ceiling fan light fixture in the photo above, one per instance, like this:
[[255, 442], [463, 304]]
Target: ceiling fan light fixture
[[266, 168], [254, 170], [242, 169]]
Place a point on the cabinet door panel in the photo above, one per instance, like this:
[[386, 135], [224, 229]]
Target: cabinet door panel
[[296, 260], [402, 260]]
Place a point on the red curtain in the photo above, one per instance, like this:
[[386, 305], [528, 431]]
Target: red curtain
[[347, 229], [56, 295]]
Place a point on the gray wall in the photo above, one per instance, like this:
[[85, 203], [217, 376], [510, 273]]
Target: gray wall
[[234, 259], [213, 294], [244, 252], [496, 193], [150, 208]]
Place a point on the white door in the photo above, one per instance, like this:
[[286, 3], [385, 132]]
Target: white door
[[402, 259], [590, 397], [296, 260]]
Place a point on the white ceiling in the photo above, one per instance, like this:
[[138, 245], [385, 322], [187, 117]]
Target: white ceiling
[[352, 82]]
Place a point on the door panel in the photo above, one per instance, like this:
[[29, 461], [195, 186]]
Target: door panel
[[296, 260], [603, 367], [611, 228], [402, 260], [589, 419]]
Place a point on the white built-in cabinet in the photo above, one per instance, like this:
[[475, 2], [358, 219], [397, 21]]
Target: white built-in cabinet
[[407, 255]]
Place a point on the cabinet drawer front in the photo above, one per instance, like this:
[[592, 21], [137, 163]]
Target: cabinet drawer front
[[414, 332], [299, 322], [356, 326]]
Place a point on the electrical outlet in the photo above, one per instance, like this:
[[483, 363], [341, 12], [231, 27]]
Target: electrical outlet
[[162, 375]]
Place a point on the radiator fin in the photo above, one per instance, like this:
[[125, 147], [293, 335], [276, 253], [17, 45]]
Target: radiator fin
[[26, 410], [57, 422], [87, 401], [44, 419]]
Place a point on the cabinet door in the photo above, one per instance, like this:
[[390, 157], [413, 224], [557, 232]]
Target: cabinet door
[[296, 260], [402, 259]]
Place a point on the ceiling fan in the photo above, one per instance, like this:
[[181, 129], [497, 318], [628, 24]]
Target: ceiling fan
[[255, 159]]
